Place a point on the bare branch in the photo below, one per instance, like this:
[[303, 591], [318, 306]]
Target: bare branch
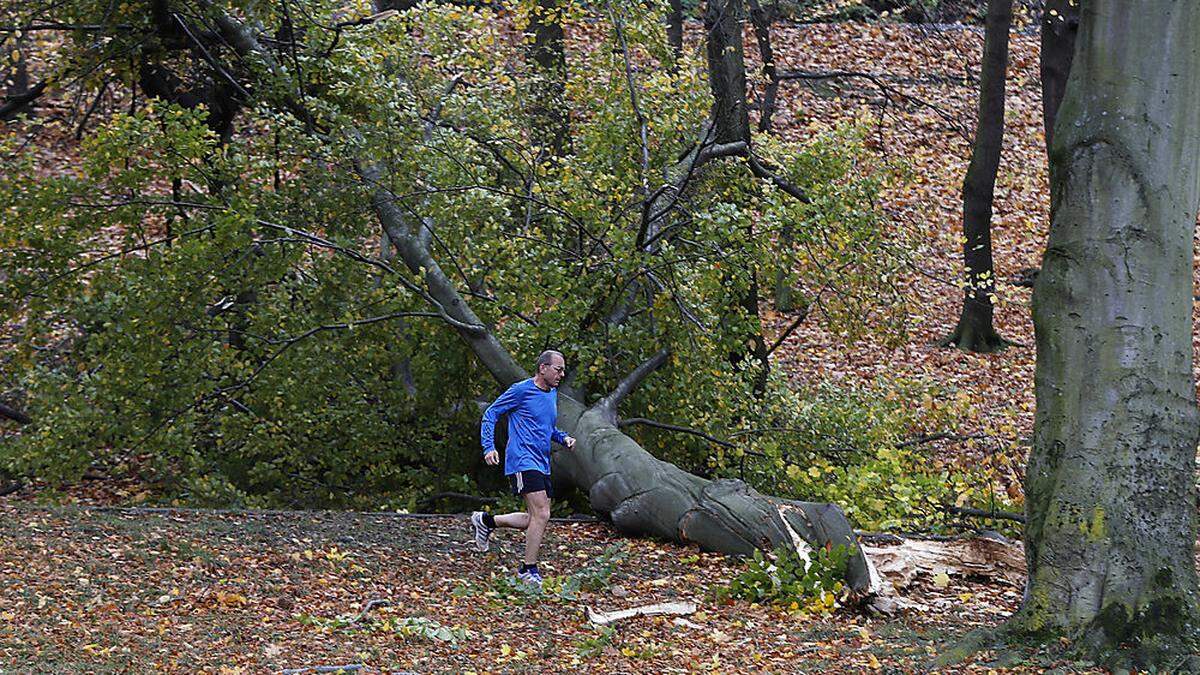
[[980, 513], [672, 427], [790, 329], [16, 104], [53, 25], [761, 170], [884, 88], [14, 414]]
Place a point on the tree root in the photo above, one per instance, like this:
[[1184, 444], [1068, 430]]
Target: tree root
[[1165, 638]]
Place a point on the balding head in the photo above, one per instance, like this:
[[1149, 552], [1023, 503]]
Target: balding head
[[550, 369]]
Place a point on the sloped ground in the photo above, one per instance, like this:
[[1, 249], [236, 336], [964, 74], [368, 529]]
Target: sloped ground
[[925, 120], [94, 590]]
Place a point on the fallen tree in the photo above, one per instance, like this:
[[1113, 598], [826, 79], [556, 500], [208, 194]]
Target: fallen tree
[[641, 494], [378, 135]]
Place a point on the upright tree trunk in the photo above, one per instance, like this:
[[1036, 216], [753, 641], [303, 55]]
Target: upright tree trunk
[[727, 70], [18, 94], [549, 59], [731, 120], [16, 81], [675, 30], [762, 18], [1060, 24], [975, 330], [1110, 494]]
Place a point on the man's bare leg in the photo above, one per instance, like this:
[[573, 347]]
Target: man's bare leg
[[538, 506], [516, 521]]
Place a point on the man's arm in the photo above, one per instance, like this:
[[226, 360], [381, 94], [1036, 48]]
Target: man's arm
[[487, 428], [559, 436]]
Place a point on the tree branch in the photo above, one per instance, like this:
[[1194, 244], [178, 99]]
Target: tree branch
[[790, 329], [461, 496], [759, 169], [16, 104], [608, 405], [879, 83], [14, 414], [980, 513], [672, 427], [633, 98]]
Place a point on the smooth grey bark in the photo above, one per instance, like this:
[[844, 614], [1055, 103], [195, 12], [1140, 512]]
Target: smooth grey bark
[[1060, 25], [1110, 482], [975, 330], [647, 496], [727, 70]]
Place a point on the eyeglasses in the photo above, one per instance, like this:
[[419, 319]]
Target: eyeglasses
[[562, 370]]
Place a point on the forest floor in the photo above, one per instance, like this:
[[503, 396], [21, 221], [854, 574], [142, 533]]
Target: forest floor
[[87, 588], [105, 590]]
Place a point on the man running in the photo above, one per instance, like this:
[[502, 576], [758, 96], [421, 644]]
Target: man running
[[532, 407]]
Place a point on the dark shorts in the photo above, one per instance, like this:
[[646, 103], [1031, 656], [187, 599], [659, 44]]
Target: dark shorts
[[532, 480]]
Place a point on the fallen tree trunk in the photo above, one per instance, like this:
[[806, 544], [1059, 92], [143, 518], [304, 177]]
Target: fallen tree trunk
[[641, 494], [646, 496]]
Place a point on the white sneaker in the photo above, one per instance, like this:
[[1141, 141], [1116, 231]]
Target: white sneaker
[[531, 577], [482, 532]]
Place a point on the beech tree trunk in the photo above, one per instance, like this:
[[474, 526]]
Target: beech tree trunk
[[975, 330], [762, 18], [1110, 484], [1060, 24], [727, 70]]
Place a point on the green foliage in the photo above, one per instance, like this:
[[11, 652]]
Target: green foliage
[[594, 576], [845, 444], [808, 583], [197, 308], [595, 645], [418, 627]]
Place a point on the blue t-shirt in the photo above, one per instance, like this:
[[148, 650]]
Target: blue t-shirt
[[532, 414]]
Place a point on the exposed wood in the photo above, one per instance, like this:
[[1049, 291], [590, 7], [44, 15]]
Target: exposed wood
[[982, 557], [674, 608]]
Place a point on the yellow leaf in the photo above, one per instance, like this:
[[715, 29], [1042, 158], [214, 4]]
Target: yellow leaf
[[941, 580], [505, 650]]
